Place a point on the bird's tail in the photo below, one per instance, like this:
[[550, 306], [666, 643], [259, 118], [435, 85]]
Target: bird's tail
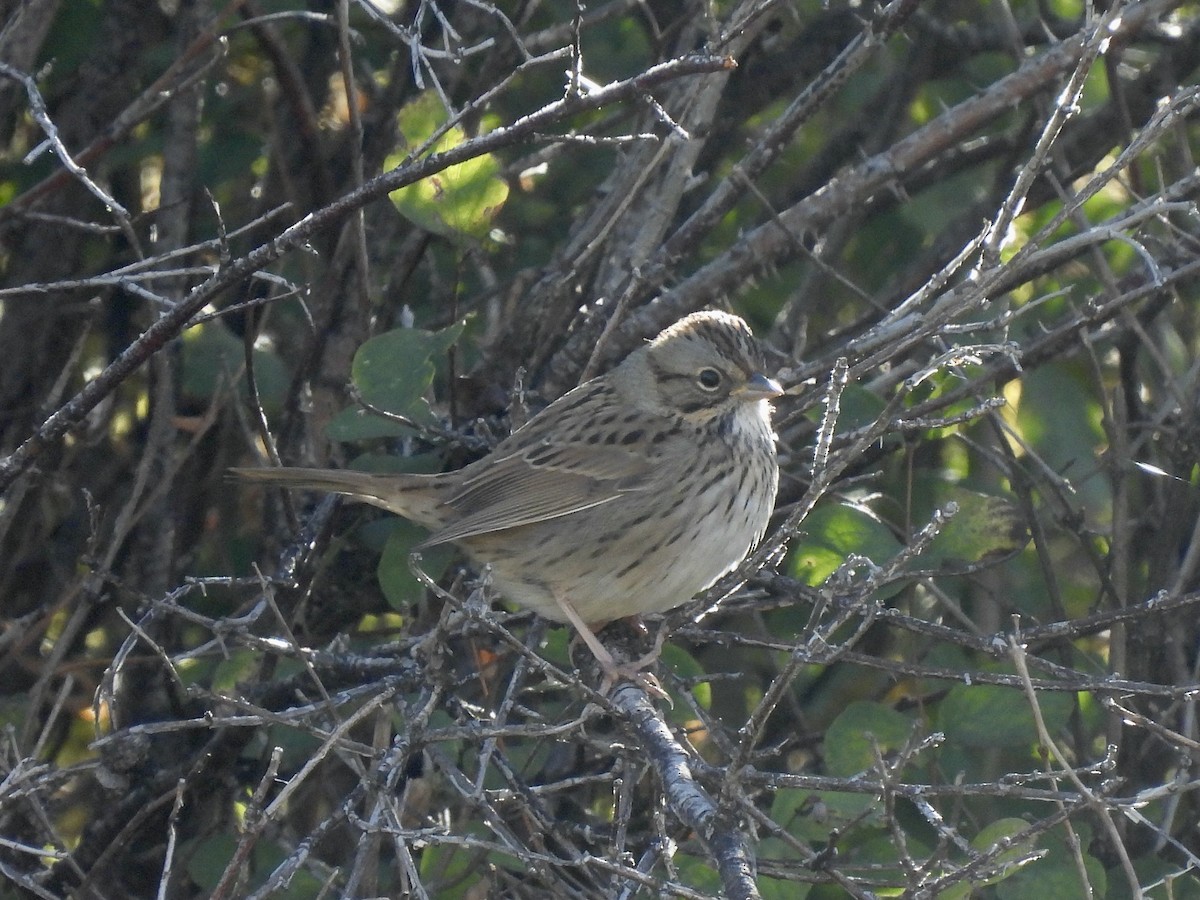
[[414, 497]]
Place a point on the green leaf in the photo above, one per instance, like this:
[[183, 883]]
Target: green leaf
[[399, 585], [1010, 860], [834, 532], [208, 861], [1000, 830], [812, 815], [449, 864], [983, 528], [849, 738], [213, 358], [1056, 876], [686, 666], [556, 647], [393, 371], [1170, 880], [209, 858], [238, 665], [857, 408], [357, 424], [698, 874], [1059, 415], [988, 715], [459, 201], [419, 464], [782, 889]]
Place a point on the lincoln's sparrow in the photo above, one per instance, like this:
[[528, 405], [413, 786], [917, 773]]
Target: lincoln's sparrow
[[627, 495]]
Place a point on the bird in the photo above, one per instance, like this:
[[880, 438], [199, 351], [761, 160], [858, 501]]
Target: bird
[[628, 495]]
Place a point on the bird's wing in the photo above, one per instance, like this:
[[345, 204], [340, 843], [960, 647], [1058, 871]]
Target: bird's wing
[[541, 481]]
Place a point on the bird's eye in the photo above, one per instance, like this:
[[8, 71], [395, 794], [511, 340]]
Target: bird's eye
[[710, 379]]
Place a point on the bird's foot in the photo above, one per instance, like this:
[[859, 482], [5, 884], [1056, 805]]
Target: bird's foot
[[614, 671]]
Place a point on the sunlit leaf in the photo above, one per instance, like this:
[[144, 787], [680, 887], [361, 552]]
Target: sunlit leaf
[[1057, 873], [1060, 418], [459, 201], [835, 531], [994, 832], [982, 528], [237, 665], [1009, 861]]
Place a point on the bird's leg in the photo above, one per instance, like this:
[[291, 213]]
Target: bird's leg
[[613, 671], [638, 624], [651, 657]]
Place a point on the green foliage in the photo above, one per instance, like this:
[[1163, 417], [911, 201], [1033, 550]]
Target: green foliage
[[458, 202], [783, 889], [699, 875], [1057, 875], [393, 371], [983, 528], [1160, 880], [834, 531], [1059, 416], [395, 576], [214, 359], [858, 408], [685, 665], [213, 855], [814, 815], [205, 623], [73, 35], [863, 728], [447, 864], [986, 715], [1009, 861]]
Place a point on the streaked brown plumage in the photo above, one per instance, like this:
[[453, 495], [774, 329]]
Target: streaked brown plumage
[[627, 495]]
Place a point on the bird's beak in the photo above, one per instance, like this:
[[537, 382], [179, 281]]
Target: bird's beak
[[759, 387]]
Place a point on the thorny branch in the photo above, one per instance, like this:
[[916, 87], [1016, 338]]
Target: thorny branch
[[367, 744]]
